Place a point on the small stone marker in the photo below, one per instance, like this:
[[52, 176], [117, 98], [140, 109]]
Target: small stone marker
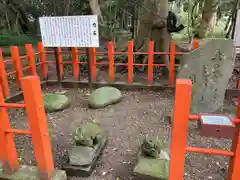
[[84, 154], [104, 96], [153, 160], [55, 102]]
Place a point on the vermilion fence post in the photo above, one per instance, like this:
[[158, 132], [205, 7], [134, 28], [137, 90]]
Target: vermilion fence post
[[195, 44], [180, 128], [43, 59], [75, 63], [8, 153], [59, 62], [172, 64], [238, 108], [111, 61], [38, 124], [93, 60], [31, 59], [238, 84], [150, 61], [234, 163], [130, 62], [17, 63], [3, 76]]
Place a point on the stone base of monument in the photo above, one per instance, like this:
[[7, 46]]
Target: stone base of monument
[[152, 168], [82, 160], [30, 172]]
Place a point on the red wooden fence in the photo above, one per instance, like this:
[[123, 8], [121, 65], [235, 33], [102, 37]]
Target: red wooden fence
[[37, 118], [42, 53], [33, 103]]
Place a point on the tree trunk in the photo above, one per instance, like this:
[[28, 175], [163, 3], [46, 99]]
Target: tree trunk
[[209, 18], [153, 27], [54, 5], [161, 36], [67, 4], [180, 6], [95, 7], [104, 32]]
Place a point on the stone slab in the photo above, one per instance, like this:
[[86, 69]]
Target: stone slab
[[151, 169], [81, 156], [84, 171], [30, 173], [210, 68]]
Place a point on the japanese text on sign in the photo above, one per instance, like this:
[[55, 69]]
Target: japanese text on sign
[[69, 31]]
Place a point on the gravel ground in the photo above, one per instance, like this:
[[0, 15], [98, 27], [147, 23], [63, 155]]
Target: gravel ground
[[139, 113]]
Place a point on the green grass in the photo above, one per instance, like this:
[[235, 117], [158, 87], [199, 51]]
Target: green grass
[[11, 40]]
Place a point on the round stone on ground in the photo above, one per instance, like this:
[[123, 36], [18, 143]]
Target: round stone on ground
[[55, 102], [104, 96]]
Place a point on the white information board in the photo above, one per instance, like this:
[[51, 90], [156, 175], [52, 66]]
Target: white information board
[[237, 30], [69, 31]]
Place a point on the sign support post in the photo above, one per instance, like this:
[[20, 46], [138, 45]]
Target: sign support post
[[89, 69], [57, 68]]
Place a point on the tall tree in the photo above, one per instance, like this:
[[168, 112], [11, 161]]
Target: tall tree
[[209, 18], [152, 24]]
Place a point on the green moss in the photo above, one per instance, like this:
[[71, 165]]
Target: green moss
[[55, 102]]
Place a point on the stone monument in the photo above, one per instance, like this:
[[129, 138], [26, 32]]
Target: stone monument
[[210, 68]]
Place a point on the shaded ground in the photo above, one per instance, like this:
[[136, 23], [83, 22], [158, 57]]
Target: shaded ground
[[138, 114]]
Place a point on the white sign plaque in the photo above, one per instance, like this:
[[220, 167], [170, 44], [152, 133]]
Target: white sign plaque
[[69, 31]]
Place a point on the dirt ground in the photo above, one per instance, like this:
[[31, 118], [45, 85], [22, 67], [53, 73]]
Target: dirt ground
[[139, 113]]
